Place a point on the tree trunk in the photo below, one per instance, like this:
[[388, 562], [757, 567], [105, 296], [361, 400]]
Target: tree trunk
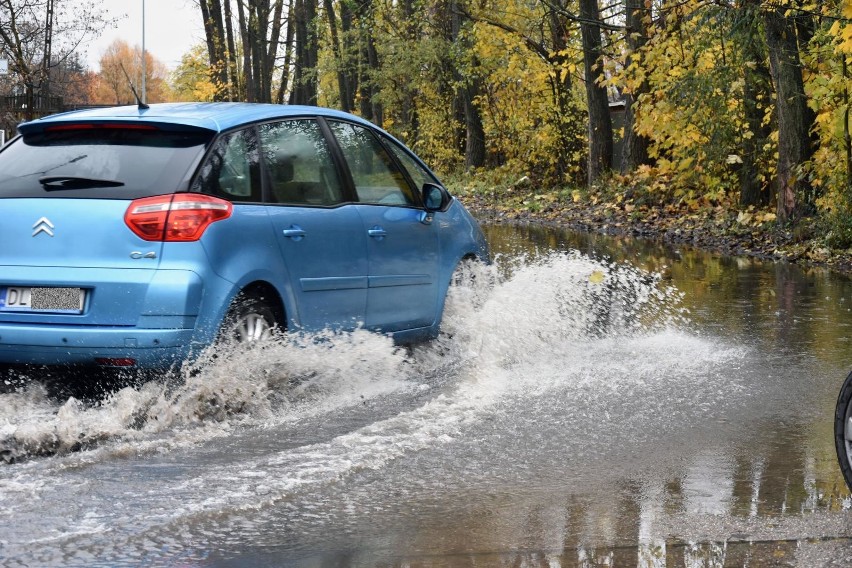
[[311, 51], [304, 91], [756, 81], [373, 60], [233, 74], [297, 91], [214, 34], [209, 32], [472, 136], [634, 152], [847, 138], [410, 19], [561, 85], [600, 121], [474, 149], [343, 100], [272, 51], [757, 85], [288, 55], [367, 57], [220, 66], [347, 27], [257, 47], [795, 195], [248, 73]]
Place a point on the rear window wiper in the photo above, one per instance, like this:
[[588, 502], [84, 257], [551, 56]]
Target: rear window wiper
[[76, 182]]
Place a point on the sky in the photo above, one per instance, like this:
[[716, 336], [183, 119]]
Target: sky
[[171, 28]]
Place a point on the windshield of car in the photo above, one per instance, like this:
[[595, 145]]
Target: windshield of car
[[113, 161]]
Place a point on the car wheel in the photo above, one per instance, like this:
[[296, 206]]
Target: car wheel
[[250, 319], [465, 273], [843, 429]]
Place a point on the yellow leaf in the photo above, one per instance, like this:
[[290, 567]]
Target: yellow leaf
[[596, 277]]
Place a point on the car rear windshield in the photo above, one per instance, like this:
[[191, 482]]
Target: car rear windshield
[[100, 161]]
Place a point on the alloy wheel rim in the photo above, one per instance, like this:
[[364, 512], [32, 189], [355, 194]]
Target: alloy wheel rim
[[253, 327], [847, 433]]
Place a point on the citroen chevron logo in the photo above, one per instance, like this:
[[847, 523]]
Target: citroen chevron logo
[[43, 225]]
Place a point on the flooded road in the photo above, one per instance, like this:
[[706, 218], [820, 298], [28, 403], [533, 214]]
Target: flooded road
[[618, 404]]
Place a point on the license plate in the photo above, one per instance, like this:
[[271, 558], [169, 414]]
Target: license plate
[[31, 299]]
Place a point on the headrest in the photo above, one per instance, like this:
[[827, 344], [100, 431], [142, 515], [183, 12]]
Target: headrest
[[282, 169]]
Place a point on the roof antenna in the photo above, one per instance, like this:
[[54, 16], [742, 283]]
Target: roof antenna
[[139, 103]]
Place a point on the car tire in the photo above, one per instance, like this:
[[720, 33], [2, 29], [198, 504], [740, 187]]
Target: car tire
[[250, 319], [465, 272], [843, 429]]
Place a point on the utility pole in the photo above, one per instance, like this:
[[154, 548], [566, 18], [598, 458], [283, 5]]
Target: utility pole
[[144, 59], [48, 44], [48, 37]]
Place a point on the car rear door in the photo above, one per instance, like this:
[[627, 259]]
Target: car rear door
[[402, 243], [319, 233]]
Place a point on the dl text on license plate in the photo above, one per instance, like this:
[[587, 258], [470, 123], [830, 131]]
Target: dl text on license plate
[[41, 299]]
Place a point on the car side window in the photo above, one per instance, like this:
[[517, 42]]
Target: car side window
[[418, 173], [231, 170], [376, 176], [299, 163]]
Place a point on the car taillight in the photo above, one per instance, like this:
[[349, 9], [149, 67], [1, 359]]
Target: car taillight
[[175, 218]]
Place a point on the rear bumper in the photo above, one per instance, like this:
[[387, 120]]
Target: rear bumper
[[59, 345]]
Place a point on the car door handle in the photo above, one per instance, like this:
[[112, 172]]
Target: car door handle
[[295, 232], [377, 232]]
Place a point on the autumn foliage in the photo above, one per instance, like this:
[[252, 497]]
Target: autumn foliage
[[733, 103], [739, 104]]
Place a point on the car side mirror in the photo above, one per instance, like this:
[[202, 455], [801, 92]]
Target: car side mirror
[[436, 198]]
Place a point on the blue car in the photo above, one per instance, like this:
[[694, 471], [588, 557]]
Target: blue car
[[135, 237]]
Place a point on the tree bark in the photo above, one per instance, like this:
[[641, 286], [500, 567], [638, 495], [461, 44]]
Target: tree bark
[[257, 45], [330, 15], [600, 121], [272, 51], [220, 65], [368, 63], [376, 109], [233, 73], [347, 27], [304, 91], [297, 90], [795, 195], [288, 55], [561, 84], [410, 18], [634, 151], [474, 147], [248, 72], [214, 34], [756, 81], [209, 31]]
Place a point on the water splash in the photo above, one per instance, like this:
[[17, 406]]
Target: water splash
[[521, 309], [496, 318]]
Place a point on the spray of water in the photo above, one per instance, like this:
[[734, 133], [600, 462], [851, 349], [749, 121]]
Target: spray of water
[[497, 317]]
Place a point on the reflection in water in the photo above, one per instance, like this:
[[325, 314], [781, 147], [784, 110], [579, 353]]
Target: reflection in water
[[781, 463]]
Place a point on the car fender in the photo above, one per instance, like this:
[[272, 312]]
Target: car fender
[[467, 241], [219, 297]]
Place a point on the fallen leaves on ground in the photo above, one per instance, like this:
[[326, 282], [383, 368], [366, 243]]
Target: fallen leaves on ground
[[749, 232]]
